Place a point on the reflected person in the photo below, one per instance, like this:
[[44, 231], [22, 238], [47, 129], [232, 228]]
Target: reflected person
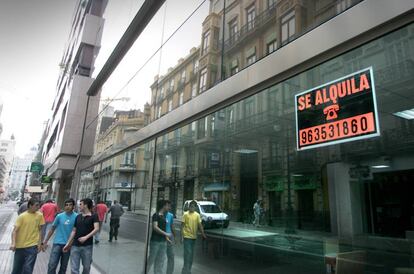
[[190, 225], [159, 238], [116, 212], [170, 244]]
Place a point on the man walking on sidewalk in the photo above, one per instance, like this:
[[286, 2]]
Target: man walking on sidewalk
[[27, 238], [116, 212], [63, 225], [190, 225], [170, 244], [86, 226], [159, 238], [101, 210], [49, 210]]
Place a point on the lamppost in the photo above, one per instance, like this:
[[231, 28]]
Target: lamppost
[[130, 192]]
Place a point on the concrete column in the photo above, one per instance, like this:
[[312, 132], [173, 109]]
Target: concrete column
[[345, 201]]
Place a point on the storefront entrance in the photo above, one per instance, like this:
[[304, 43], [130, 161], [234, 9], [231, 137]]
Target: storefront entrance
[[391, 203]]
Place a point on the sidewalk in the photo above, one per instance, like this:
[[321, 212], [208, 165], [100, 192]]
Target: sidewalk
[[6, 255]]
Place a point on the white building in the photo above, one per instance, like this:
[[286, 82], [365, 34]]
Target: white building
[[7, 148], [19, 167]]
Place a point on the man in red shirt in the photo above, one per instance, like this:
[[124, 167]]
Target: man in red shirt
[[101, 209], [49, 210]]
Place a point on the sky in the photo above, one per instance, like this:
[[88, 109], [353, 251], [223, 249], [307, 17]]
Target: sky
[[33, 35]]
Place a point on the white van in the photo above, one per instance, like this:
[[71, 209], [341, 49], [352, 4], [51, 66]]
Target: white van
[[211, 214]]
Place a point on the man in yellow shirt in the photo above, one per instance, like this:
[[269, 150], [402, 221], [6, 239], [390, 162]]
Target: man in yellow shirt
[[190, 225], [27, 239]]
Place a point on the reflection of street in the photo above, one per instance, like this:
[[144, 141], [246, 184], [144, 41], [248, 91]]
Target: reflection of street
[[263, 250]]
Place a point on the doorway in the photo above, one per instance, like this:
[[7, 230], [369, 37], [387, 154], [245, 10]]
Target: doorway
[[390, 203], [248, 185]]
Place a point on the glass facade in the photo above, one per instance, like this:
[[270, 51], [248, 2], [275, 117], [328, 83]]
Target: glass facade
[[272, 208]]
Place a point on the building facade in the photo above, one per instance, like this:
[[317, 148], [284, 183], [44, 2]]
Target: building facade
[[7, 150], [66, 145], [305, 106], [120, 178], [20, 167]]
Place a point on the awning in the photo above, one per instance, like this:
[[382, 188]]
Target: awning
[[217, 187], [36, 189]]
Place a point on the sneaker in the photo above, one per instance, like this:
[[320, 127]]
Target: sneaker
[[110, 240]]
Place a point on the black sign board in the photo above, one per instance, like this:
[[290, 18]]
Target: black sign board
[[339, 111]]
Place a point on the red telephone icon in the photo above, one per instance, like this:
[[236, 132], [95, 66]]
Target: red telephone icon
[[331, 112]]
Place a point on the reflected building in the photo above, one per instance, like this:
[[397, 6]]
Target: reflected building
[[120, 178]]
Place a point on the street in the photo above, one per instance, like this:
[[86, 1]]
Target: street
[[236, 249]]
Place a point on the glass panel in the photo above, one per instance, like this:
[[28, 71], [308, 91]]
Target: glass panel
[[183, 42], [121, 182], [258, 19], [268, 208]]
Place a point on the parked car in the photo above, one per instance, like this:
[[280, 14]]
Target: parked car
[[211, 214]]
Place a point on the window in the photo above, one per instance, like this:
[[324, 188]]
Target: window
[[171, 85], [159, 112], [206, 42], [342, 5], [271, 46], [234, 67], [162, 91], [169, 105], [195, 66], [4, 144], [233, 30], [193, 90], [251, 14], [271, 4], [288, 26], [251, 59], [203, 80], [183, 76], [181, 101]]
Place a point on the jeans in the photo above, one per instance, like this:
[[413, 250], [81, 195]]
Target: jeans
[[56, 255], [156, 256], [113, 231], [170, 258], [81, 252], [98, 234], [188, 255], [24, 260]]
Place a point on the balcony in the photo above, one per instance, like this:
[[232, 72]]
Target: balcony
[[127, 168], [252, 27]]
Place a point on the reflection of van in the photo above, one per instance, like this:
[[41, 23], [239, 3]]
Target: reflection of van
[[211, 214]]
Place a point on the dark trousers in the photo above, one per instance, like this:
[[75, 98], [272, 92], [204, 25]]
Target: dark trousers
[[113, 230], [24, 260]]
